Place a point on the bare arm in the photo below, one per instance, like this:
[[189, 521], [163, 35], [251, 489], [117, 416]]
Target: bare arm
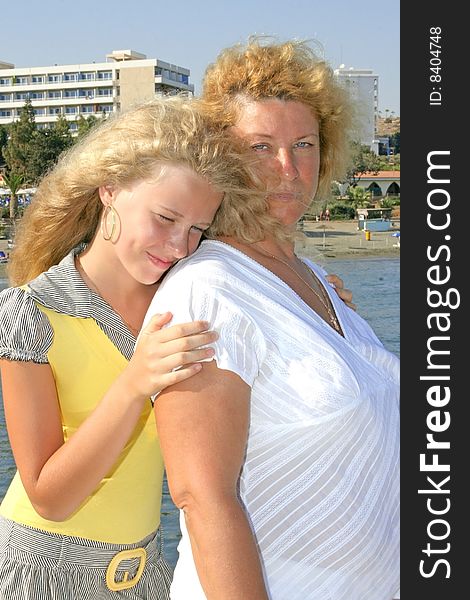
[[202, 425], [59, 476]]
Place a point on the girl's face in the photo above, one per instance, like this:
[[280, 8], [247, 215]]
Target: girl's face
[[285, 136], [162, 222]]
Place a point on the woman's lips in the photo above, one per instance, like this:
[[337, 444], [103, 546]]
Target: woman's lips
[[285, 196]]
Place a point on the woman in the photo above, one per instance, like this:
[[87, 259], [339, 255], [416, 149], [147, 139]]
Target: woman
[[282, 453], [81, 517]]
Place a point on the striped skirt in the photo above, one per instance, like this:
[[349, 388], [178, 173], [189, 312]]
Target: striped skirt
[[37, 565]]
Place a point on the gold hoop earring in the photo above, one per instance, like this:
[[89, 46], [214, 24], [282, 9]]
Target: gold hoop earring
[[109, 211]]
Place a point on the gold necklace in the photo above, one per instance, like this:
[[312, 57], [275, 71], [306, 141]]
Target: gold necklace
[[323, 298], [89, 283]]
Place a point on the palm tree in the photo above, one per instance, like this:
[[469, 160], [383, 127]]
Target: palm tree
[[14, 182]]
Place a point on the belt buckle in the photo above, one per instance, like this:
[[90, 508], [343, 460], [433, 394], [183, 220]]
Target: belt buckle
[[126, 583]]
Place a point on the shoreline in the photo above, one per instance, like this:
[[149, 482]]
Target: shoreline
[[327, 239], [343, 239]]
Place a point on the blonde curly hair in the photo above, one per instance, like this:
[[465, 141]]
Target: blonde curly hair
[[292, 71], [66, 208]]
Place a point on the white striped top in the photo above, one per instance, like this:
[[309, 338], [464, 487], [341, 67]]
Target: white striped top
[[320, 482]]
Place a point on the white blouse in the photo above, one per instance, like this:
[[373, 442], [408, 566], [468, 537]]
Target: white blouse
[[320, 483]]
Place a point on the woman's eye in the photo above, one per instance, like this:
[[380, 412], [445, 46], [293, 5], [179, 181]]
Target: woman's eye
[[259, 147], [304, 145]]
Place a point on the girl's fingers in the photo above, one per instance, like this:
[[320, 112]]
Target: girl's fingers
[[157, 322], [345, 295], [182, 359], [179, 375], [335, 280], [166, 356], [182, 330], [190, 342]]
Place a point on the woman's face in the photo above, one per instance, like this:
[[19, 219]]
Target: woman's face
[[285, 137], [162, 222]]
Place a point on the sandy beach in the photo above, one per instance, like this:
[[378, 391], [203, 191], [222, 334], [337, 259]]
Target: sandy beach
[[331, 239], [343, 239], [3, 246]]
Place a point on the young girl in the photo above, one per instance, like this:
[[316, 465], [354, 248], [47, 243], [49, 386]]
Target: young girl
[[81, 517]]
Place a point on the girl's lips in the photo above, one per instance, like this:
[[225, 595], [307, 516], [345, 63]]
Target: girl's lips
[[160, 263]]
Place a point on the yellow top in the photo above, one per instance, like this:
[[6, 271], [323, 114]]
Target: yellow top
[[125, 507]]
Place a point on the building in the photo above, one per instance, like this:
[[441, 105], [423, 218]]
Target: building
[[363, 85], [382, 183], [126, 78]]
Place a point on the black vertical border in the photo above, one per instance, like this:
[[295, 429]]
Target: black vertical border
[[426, 128]]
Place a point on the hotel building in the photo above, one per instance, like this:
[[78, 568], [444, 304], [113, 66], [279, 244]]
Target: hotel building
[[126, 78], [363, 85]]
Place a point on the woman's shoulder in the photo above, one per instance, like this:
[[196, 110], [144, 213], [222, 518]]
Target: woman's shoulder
[[215, 268], [217, 253], [214, 259]]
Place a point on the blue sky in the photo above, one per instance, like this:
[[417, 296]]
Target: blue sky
[[190, 33]]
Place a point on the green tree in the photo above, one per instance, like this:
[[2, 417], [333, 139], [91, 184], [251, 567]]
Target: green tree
[[14, 181], [341, 210], [62, 132], [363, 161], [359, 196], [18, 149], [84, 124], [49, 143], [395, 142], [3, 143]]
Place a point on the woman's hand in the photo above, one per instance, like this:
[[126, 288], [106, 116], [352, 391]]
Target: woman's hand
[[345, 294], [167, 356]]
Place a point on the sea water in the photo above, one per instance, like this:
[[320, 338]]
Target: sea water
[[375, 283]]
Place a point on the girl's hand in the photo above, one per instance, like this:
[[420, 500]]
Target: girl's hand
[[345, 294], [164, 357]]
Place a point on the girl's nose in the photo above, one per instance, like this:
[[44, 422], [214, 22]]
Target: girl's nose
[[179, 244]]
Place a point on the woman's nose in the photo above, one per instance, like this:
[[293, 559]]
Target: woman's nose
[[287, 166]]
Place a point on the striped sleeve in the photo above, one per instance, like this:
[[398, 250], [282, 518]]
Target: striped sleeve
[[25, 332]]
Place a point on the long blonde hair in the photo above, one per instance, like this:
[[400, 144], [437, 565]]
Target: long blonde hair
[[66, 208]]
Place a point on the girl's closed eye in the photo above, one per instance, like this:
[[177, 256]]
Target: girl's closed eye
[[199, 229], [165, 219]]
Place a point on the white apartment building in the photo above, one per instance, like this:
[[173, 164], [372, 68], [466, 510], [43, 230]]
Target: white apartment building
[[363, 85], [126, 78]]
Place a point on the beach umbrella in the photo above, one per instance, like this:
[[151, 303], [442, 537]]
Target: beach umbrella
[[324, 226], [396, 235]]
